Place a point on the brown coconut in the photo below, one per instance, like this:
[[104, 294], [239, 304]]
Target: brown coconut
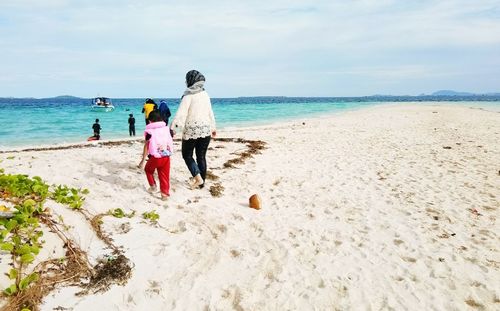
[[255, 201]]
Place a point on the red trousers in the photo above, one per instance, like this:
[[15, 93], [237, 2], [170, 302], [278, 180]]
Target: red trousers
[[163, 167]]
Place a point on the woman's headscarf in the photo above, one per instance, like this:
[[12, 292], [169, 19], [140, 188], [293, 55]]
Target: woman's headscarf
[[195, 83], [194, 76]]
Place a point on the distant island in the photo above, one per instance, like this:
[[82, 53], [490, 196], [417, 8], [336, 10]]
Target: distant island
[[64, 97], [455, 93], [441, 95]]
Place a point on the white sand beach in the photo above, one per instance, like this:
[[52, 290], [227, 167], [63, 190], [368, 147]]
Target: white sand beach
[[386, 208]]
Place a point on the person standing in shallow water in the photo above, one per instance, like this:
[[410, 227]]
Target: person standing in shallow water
[[164, 111], [131, 125], [196, 118], [97, 129], [149, 106]]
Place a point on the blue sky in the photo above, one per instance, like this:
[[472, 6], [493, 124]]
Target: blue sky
[[122, 48]]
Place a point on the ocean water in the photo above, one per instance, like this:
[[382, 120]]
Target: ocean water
[[34, 122]]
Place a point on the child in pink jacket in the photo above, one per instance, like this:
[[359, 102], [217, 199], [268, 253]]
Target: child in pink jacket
[[158, 147]]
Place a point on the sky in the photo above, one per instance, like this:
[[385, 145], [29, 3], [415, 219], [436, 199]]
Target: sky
[[143, 48]]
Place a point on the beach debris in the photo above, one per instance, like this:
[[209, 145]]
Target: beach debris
[[110, 270], [216, 190], [255, 202], [381, 176], [211, 176], [475, 211], [446, 147], [253, 147], [5, 212], [124, 227], [444, 236], [471, 302]]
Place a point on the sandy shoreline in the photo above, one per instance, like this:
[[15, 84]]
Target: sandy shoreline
[[379, 208]]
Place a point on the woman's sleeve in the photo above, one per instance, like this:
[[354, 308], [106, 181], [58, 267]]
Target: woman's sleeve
[[181, 114], [212, 119]]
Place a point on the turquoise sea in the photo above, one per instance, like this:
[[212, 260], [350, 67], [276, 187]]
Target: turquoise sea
[[28, 122]]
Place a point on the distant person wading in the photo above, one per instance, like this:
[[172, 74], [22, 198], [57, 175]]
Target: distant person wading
[[131, 125], [164, 111], [97, 129], [148, 107], [196, 118]]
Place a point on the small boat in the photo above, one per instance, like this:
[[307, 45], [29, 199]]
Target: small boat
[[102, 104]]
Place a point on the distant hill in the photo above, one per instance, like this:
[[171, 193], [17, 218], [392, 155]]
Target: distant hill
[[451, 93], [455, 93], [66, 97]]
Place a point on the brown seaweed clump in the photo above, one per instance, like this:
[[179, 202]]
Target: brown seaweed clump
[[212, 176], [216, 190], [253, 147], [108, 271]]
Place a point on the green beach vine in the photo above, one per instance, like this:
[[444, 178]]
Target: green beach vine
[[21, 233]]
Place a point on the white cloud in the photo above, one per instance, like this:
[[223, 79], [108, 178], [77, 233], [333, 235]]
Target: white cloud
[[153, 40]]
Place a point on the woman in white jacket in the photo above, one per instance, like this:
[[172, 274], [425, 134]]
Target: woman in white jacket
[[196, 118]]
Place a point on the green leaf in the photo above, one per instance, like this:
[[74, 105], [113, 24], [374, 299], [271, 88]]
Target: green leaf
[[35, 250], [152, 216], [3, 234], [11, 290], [34, 277], [13, 274], [32, 221], [29, 202], [27, 258], [16, 239], [11, 224], [24, 249], [27, 281], [24, 283], [85, 191], [7, 247], [118, 213], [21, 218]]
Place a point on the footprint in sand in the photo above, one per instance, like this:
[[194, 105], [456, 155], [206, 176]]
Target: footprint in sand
[[154, 288], [398, 242]]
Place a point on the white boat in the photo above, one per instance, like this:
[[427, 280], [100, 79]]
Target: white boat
[[102, 104]]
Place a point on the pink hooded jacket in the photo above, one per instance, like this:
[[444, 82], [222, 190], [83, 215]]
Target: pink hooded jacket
[[160, 144]]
